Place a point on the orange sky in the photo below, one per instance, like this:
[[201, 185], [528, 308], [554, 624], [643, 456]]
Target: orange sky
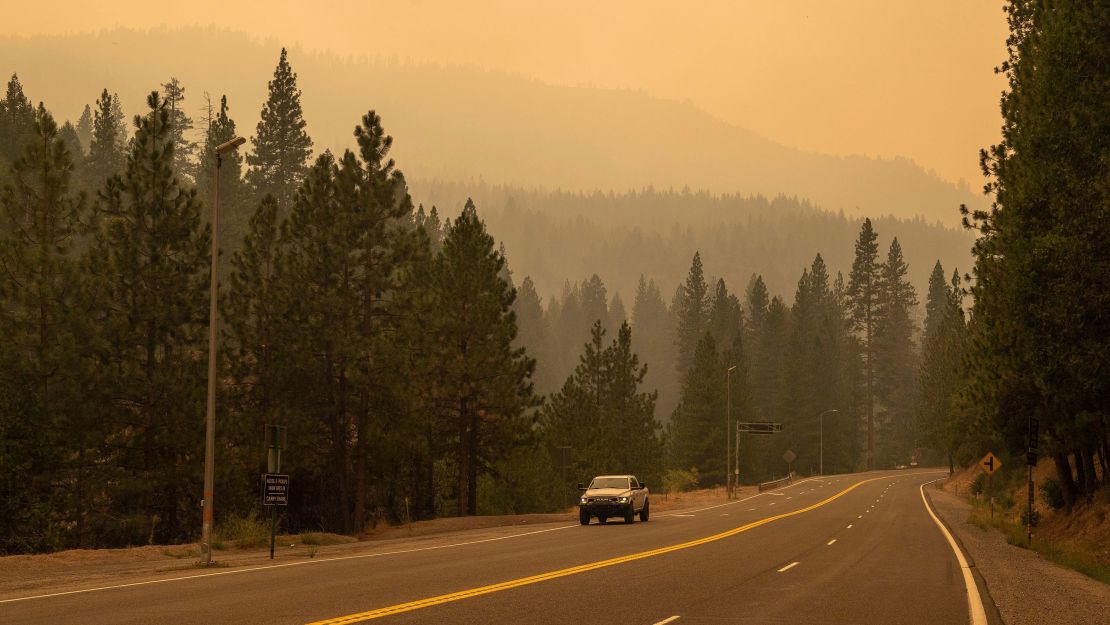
[[870, 77]]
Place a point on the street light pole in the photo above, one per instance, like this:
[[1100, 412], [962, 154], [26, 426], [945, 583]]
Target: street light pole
[[210, 417], [728, 431], [821, 446]]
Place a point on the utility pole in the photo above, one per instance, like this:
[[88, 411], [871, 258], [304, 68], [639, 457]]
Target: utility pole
[[210, 417], [821, 446], [728, 431]]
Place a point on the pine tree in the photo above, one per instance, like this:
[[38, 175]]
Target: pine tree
[[483, 384], [534, 334], [595, 301], [601, 412], [895, 360], [692, 312], [617, 313], [758, 300], [85, 130], [863, 295], [942, 425], [106, 155], [181, 125], [654, 341], [281, 146], [726, 321], [17, 119], [42, 321], [696, 430], [151, 258]]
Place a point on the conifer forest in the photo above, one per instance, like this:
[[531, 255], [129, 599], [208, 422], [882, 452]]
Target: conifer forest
[[421, 373]]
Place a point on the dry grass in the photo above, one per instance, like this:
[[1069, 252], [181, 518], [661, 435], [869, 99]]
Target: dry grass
[[1078, 540]]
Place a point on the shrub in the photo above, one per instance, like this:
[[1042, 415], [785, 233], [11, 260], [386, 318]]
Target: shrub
[[978, 484], [678, 480], [1053, 494], [246, 532]]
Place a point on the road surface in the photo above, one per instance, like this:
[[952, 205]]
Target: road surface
[[844, 549]]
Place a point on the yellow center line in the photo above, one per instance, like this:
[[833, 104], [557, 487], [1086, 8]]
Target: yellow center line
[[574, 570]]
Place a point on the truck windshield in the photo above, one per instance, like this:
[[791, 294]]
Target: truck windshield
[[609, 482]]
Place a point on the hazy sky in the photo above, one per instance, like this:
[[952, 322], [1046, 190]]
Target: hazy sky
[[878, 78]]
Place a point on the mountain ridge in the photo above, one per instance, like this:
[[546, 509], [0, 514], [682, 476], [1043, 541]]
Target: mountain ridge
[[458, 122]]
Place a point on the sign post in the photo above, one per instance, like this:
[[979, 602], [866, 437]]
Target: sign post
[[275, 486], [990, 464], [790, 457], [1031, 460]]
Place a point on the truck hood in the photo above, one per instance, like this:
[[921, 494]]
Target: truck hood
[[608, 492]]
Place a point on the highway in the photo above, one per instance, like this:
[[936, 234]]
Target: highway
[[859, 548]]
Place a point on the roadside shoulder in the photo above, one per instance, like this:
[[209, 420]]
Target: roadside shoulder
[[1025, 588]]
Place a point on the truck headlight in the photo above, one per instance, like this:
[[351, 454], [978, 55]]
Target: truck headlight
[[622, 499], [583, 500]]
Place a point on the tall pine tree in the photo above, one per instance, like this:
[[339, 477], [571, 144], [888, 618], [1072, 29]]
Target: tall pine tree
[[277, 165], [863, 296]]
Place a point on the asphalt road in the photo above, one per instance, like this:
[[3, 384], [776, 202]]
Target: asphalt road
[[844, 549]]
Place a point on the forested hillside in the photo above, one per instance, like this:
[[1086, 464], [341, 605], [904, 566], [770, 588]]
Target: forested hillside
[[460, 123]]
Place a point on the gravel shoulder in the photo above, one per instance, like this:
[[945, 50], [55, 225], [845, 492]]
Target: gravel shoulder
[[1027, 589]]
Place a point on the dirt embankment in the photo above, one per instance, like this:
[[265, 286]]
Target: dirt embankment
[[1085, 529]]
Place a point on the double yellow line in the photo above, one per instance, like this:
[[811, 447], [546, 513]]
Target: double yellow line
[[574, 570]]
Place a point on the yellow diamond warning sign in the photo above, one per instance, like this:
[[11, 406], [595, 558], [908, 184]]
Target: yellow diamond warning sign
[[990, 463]]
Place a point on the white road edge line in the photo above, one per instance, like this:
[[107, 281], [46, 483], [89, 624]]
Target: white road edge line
[[976, 612], [788, 567], [279, 566], [667, 620]]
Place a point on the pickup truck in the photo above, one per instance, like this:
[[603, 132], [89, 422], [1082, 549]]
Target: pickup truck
[[613, 496]]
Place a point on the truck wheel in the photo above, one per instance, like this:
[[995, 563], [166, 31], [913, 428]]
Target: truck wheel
[[602, 519], [644, 513], [583, 517], [629, 515]]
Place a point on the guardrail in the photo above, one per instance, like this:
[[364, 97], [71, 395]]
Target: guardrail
[[776, 483]]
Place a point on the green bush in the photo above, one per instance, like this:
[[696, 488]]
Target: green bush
[[679, 481], [978, 484], [245, 532], [1053, 494]]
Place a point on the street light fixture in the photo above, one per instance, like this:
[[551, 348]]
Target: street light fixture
[[210, 420], [821, 421], [728, 430]]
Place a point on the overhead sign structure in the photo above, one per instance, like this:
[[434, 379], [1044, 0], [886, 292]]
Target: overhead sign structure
[[758, 427], [275, 490], [990, 463]]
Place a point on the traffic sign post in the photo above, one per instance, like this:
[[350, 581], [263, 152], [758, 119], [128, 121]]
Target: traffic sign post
[[990, 463], [275, 486]]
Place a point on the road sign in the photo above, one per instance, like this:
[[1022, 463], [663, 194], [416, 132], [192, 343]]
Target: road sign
[[758, 427], [990, 463], [275, 489], [789, 456]]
